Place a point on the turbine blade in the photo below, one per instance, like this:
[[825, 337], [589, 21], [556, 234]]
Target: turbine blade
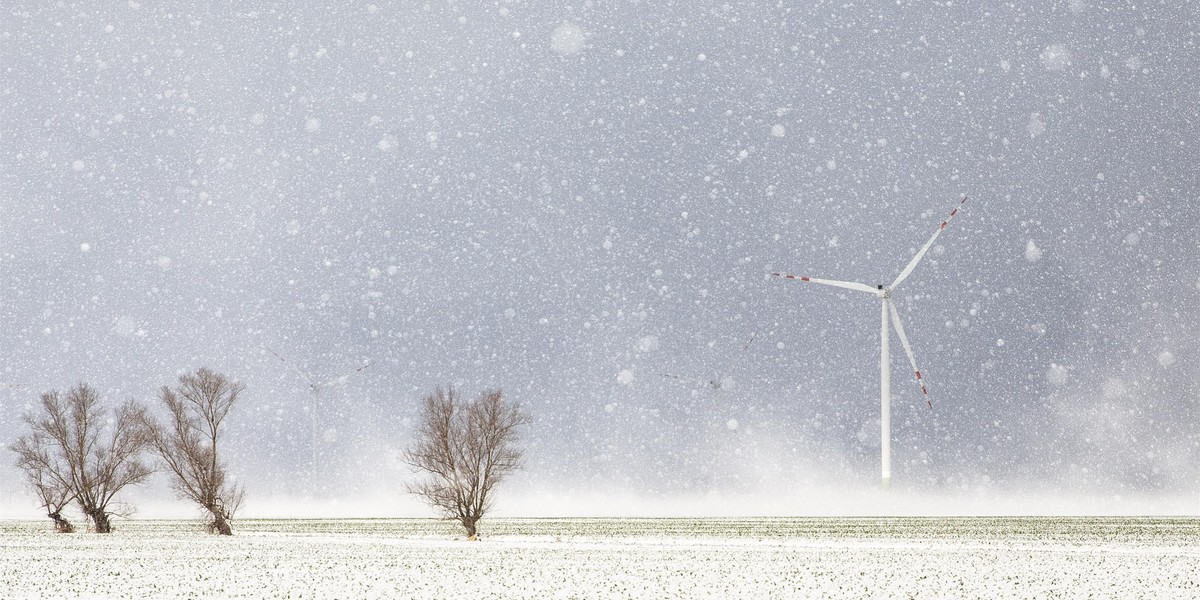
[[342, 378], [302, 374], [737, 359], [690, 380], [679, 377], [850, 285], [912, 264], [912, 360]]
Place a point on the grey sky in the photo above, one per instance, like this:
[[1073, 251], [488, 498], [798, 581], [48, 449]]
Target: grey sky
[[567, 201]]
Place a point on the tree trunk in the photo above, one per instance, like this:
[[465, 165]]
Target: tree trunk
[[219, 524], [100, 521], [61, 524], [469, 524]]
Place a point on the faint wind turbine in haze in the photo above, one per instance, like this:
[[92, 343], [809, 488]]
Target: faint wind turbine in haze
[[10, 388], [888, 309], [719, 383], [314, 391]]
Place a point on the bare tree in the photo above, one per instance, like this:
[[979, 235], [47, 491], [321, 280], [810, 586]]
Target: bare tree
[[465, 448], [187, 443], [42, 468], [76, 447]]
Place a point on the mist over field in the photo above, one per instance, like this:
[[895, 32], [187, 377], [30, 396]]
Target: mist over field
[[569, 202]]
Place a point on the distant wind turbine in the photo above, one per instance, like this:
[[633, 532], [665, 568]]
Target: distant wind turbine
[[314, 390], [718, 383], [888, 309], [11, 387]]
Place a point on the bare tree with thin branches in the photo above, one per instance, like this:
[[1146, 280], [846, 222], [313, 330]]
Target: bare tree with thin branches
[[187, 443], [76, 447], [465, 448], [42, 468]]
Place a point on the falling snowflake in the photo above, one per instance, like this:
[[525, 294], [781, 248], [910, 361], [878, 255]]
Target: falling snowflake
[[1032, 252], [1036, 126], [567, 39], [1055, 57], [625, 377]]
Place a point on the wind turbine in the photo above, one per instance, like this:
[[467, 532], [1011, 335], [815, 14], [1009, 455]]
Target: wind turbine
[[888, 309], [11, 387], [715, 384], [314, 390]]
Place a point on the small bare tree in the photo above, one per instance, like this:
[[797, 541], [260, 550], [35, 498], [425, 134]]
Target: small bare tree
[[465, 448], [42, 468], [76, 447], [187, 444]]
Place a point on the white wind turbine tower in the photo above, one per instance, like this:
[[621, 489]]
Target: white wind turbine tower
[[314, 391], [8, 409], [12, 388], [888, 309]]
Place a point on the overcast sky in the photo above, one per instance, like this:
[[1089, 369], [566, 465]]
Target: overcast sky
[[567, 201]]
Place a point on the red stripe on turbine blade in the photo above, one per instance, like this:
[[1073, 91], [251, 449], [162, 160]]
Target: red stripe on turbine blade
[[943, 226], [954, 212], [930, 404], [918, 374], [924, 391], [803, 279]]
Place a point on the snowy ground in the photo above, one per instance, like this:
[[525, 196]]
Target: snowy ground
[[613, 558]]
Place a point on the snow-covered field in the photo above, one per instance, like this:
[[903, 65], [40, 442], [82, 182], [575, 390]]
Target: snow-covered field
[[613, 558]]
